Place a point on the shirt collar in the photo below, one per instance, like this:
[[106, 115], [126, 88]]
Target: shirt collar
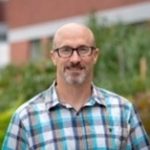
[[52, 100], [97, 96], [51, 97]]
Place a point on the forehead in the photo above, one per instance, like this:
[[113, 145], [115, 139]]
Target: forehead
[[73, 35]]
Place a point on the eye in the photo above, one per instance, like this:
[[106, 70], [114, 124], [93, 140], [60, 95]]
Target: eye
[[65, 50], [83, 49]]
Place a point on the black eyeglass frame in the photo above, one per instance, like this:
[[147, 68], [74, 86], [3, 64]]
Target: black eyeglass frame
[[74, 49]]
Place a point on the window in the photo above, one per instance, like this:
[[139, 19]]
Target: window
[[36, 50]]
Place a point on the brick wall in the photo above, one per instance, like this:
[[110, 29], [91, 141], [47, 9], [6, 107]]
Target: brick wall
[[26, 12], [2, 11], [20, 53]]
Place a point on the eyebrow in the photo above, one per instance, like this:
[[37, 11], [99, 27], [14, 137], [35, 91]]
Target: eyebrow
[[75, 47]]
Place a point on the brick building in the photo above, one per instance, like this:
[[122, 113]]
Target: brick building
[[32, 23]]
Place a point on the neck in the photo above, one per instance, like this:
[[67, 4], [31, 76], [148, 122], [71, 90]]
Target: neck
[[74, 94]]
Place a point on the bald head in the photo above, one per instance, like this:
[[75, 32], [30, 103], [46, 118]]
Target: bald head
[[74, 31]]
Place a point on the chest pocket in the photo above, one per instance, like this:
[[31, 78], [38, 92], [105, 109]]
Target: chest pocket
[[117, 137]]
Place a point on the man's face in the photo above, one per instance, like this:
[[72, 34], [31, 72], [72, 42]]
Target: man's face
[[74, 69]]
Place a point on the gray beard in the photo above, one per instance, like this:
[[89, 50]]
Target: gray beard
[[78, 80]]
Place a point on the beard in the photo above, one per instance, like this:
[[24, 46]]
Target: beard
[[75, 74], [74, 78]]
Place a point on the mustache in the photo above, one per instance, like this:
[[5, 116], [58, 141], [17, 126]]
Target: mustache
[[77, 65]]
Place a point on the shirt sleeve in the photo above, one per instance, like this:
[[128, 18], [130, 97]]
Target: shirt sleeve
[[16, 135], [138, 138]]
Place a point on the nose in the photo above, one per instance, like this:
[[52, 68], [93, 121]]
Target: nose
[[75, 57]]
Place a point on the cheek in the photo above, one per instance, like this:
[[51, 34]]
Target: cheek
[[60, 65], [90, 62]]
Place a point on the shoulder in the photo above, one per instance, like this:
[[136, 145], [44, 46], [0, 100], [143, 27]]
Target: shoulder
[[117, 105], [113, 99], [33, 105]]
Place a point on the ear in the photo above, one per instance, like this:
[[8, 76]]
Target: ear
[[96, 55], [53, 57]]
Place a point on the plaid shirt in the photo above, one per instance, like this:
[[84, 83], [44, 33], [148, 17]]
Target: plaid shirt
[[106, 122]]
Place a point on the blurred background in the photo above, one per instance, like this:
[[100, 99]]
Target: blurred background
[[122, 31]]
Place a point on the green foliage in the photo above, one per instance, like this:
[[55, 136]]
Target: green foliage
[[4, 119], [121, 49], [21, 83]]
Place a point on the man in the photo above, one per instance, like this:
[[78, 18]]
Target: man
[[74, 114]]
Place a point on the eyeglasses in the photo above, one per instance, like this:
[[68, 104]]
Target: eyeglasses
[[67, 51]]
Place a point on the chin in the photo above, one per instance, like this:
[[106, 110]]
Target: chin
[[75, 80]]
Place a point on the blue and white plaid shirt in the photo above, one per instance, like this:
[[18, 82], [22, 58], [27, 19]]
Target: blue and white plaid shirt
[[106, 122]]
